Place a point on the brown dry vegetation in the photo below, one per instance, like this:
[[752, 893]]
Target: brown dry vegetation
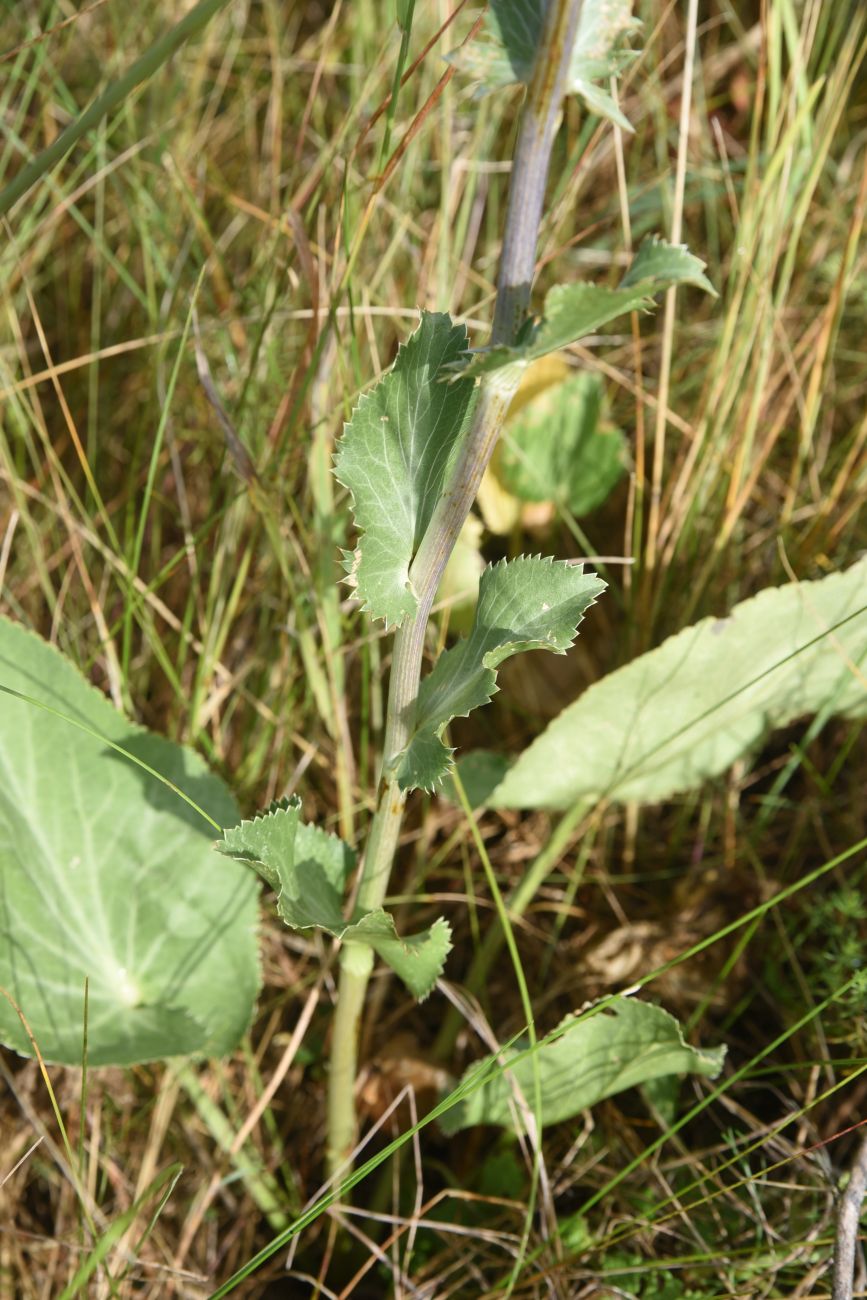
[[247, 177]]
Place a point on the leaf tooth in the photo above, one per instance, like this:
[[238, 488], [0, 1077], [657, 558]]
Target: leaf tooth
[[285, 805], [392, 456]]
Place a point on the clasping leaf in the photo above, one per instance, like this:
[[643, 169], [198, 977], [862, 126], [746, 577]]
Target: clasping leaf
[[572, 311], [526, 604], [504, 52], [394, 457], [308, 869]]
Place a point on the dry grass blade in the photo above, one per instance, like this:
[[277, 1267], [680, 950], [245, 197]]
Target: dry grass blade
[[247, 172]]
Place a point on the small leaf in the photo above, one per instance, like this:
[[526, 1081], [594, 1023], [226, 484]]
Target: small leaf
[[554, 449], [684, 712], [526, 604], [571, 313], [306, 867], [626, 1043], [309, 868], [599, 54], [420, 959], [601, 103], [107, 876], [505, 50], [659, 264], [575, 310], [394, 457]]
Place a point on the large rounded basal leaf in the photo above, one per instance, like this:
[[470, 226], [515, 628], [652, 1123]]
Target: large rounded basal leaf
[[108, 876], [686, 711]]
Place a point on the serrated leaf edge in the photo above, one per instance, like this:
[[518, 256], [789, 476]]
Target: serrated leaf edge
[[493, 667], [440, 928], [351, 560], [699, 281]]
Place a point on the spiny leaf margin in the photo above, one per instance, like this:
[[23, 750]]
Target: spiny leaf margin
[[394, 458], [529, 603], [308, 869], [573, 311], [662, 265]]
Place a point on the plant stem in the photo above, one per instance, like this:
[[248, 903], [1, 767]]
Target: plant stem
[[539, 122]]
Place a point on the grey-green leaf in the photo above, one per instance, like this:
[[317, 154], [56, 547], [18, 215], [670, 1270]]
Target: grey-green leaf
[[575, 310], [624, 1044], [394, 457], [309, 869], [599, 53], [571, 313], [659, 264], [305, 866], [419, 959], [504, 51], [686, 711], [502, 54], [555, 450], [108, 877], [526, 604]]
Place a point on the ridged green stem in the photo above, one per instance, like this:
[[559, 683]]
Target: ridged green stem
[[539, 122]]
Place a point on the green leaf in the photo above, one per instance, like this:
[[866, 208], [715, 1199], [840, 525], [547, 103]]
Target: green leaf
[[625, 1043], [305, 866], [526, 604], [108, 877], [502, 54], [504, 51], [418, 959], [394, 458], [573, 311], [554, 450], [599, 54], [308, 869], [686, 711], [600, 102], [659, 264]]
